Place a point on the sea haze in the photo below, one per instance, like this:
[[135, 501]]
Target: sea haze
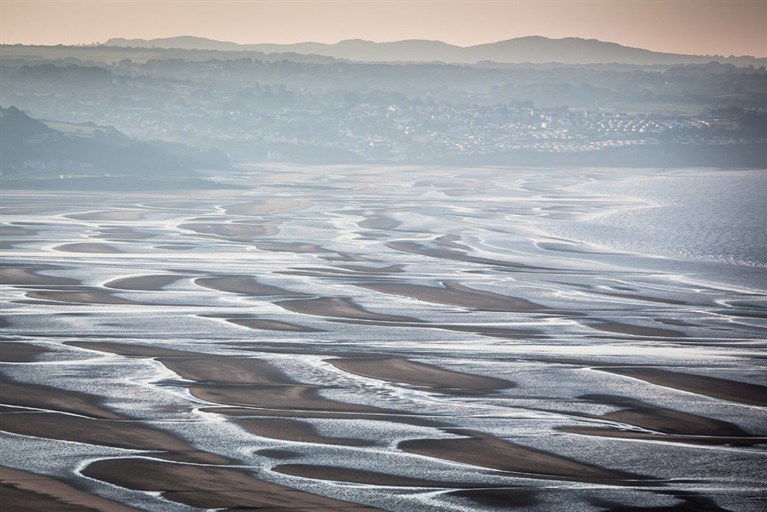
[[390, 337]]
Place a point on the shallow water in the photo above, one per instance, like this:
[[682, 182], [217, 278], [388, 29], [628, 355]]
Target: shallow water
[[548, 279]]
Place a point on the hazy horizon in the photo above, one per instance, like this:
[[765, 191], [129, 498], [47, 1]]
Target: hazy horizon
[[701, 28]]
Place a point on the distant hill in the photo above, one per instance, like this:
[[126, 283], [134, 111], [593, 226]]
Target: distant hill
[[532, 49], [30, 147]]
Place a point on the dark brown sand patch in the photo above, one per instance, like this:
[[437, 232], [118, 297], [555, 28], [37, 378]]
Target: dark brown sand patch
[[21, 491], [635, 330], [268, 206], [417, 374], [45, 397], [88, 247], [82, 295], [457, 295], [379, 222], [405, 419], [339, 307], [20, 352], [662, 424], [243, 284], [109, 215], [271, 325], [211, 487], [125, 349], [502, 499], [450, 254], [143, 283], [294, 430], [297, 247], [122, 434], [226, 370], [235, 231], [296, 397], [31, 276], [489, 452], [361, 476], [734, 391]]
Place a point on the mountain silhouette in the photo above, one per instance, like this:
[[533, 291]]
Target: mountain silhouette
[[530, 49]]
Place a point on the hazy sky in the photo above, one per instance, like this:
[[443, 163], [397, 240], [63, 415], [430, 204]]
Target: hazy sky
[[684, 26]]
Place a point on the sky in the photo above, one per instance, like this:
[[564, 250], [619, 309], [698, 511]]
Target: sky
[[730, 27]]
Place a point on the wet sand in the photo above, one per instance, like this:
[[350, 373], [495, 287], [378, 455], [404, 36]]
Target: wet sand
[[232, 231], [665, 424], [294, 430], [46, 397], [212, 487], [379, 222], [493, 453], [243, 284], [143, 283], [458, 295], [109, 215], [448, 254], [752, 394], [417, 374], [635, 330], [270, 325], [82, 295], [268, 207], [118, 433], [359, 476], [20, 352], [32, 276], [22, 491], [88, 247], [338, 307]]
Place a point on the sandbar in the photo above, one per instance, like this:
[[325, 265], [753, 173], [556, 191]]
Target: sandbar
[[457, 295], [490, 452], [417, 374], [340, 307], [212, 487], [22, 491]]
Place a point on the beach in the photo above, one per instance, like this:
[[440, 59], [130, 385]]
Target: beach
[[378, 338]]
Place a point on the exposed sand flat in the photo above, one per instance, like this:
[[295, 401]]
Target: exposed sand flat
[[295, 397], [21, 491], [417, 374], [752, 394], [489, 452], [403, 418], [109, 215], [297, 247], [668, 424], [379, 222], [243, 284], [127, 349], [123, 234], [226, 370], [20, 352], [666, 438], [268, 206], [44, 397], [294, 430], [389, 269], [30, 276], [493, 332], [509, 497], [359, 476], [339, 307], [635, 330], [243, 232], [457, 295], [270, 325], [448, 254], [81, 295], [212, 487], [8, 230], [122, 434], [88, 247], [143, 283]]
